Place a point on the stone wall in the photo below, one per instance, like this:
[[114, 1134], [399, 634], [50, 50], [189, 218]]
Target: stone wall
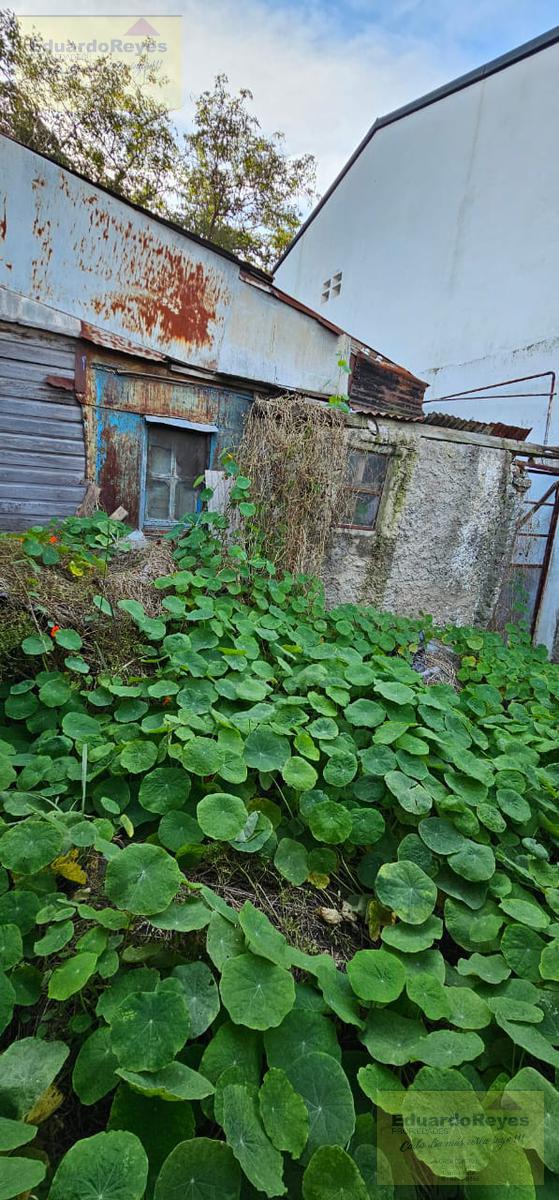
[[444, 527]]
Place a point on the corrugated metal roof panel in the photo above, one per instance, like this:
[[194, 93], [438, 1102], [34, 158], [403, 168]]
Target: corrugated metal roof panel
[[494, 428]]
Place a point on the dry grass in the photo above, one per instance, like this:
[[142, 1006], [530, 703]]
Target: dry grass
[[294, 451]]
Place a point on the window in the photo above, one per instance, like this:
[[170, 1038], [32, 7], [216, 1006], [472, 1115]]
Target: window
[[367, 473], [175, 458], [331, 287]]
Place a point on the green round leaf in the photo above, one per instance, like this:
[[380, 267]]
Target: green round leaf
[[27, 1069], [202, 756], [148, 1029], [255, 992], [29, 846], [107, 1166], [69, 639], [260, 1161], [392, 1039], [37, 644], [330, 822], [200, 994], [340, 769], [376, 975], [364, 713], [407, 890], [19, 1175], [209, 1167], [138, 756], [72, 976], [11, 946], [265, 750], [81, 727], [443, 1048], [332, 1174], [367, 826], [299, 774], [173, 1082], [300, 1033], [164, 789], [221, 816], [142, 879], [291, 861], [283, 1112], [94, 1069], [324, 1086]]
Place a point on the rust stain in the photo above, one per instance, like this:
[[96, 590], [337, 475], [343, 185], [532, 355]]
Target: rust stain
[[166, 293], [38, 181], [119, 477], [60, 381], [4, 223], [113, 341]]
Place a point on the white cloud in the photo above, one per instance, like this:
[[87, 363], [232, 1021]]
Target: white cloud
[[322, 88]]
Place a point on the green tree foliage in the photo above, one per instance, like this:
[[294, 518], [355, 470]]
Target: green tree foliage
[[224, 180]]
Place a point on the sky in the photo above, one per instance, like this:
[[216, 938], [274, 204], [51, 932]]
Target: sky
[[322, 70]]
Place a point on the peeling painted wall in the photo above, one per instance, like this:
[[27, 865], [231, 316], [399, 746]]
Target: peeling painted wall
[[119, 396], [72, 254], [444, 528]]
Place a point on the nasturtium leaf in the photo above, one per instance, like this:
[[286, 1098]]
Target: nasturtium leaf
[[392, 1039], [283, 1113], [509, 1008], [538, 1097], [323, 729], [522, 949], [332, 1174], [142, 879], [55, 692], [223, 940], [340, 769], [111, 1166], [30, 845], [338, 992], [324, 1086], [364, 713], [209, 1167], [265, 750], [376, 975], [232, 1046], [525, 912], [11, 946], [291, 860], [434, 1093], [94, 1069], [299, 1034], [173, 1082], [141, 979], [513, 805], [7, 1000], [260, 1161], [138, 756], [164, 789], [396, 693], [69, 639], [367, 826], [407, 890], [329, 822], [474, 862], [159, 1125], [467, 1010], [57, 936], [81, 727], [27, 1069], [382, 1086], [262, 937], [412, 938], [508, 1173], [16, 1133], [37, 644], [221, 816], [444, 1048], [531, 1040], [299, 774], [202, 756], [429, 994], [72, 976], [377, 760], [441, 836], [257, 830], [200, 994], [179, 829], [148, 1029], [492, 968], [256, 992], [183, 916], [474, 931], [18, 1176], [197, 695], [549, 962]]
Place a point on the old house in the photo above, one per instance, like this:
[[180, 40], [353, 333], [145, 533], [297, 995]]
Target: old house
[[440, 234], [130, 352]]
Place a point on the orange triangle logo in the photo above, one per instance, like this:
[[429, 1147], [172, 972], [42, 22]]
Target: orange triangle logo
[[141, 28]]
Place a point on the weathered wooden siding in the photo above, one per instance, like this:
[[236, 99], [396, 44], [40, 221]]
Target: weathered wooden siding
[[42, 453]]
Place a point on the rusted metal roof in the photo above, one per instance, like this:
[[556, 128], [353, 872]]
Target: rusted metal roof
[[494, 428], [379, 384]]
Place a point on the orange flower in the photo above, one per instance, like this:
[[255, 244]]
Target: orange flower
[[53, 538], [166, 700], [54, 630]]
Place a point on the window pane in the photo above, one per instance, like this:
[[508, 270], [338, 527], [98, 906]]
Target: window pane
[[185, 500], [160, 460], [191, 451], [365, 510], [368, 469], [158, 495]]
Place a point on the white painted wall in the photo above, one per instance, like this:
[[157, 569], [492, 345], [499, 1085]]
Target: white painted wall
[[446, 229]]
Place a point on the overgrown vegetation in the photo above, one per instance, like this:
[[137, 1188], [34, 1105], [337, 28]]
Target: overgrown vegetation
[[172, 843]]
